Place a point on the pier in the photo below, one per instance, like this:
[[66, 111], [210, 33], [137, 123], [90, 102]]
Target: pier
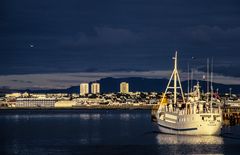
[[231, 116]]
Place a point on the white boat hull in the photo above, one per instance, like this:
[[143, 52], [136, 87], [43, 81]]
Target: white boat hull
[[197, 126]]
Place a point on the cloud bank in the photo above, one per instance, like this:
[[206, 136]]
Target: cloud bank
[[65, 80]]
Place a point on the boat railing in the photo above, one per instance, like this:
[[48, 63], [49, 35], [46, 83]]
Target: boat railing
[[190, 110]]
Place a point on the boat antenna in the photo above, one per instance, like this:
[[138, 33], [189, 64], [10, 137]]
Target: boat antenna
[[191, 79], [176, 79], [188, 80], [207, 79]]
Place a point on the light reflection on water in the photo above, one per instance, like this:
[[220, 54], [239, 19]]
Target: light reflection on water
[[127, 116], [82, 116], [42, 116], [124, 117], [23, 116], [183, 139], [183, 144], [90, 116]]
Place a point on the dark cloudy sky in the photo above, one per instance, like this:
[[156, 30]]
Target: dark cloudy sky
[[59, 36]]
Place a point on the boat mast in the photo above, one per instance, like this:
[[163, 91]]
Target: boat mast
[[177, 81], [175, 78], [211, 85], [207, 79]]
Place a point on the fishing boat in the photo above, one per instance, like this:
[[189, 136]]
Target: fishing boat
[[190, 116]]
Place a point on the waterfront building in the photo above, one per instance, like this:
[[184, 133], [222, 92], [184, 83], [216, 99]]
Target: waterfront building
[[84, 89], [65, 103], [38, 95], [35, 102], [95, 88], [75, 95], [13, 95], [124, 87]]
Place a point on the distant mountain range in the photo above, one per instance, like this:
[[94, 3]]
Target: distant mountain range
[[158, 85], [110, 84]]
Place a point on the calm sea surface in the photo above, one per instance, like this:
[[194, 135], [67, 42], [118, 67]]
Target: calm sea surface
[[102, 132]]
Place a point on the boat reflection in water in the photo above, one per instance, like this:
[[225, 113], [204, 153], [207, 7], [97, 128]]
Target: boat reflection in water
[[188, 140]]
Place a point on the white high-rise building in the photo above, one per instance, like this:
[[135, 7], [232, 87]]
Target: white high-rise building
[[95, 88], [124, 87], [84, 89]]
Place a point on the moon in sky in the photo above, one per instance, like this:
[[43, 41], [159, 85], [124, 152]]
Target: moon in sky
[[31, 45]]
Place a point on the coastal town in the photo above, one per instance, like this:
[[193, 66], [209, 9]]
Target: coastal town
[[91, 97], [84, 99]]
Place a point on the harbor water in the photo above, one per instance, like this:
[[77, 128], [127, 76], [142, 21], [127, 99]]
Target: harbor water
[[102, 132]]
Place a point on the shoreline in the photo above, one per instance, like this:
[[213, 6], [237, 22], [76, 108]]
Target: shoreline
[[87, 107]]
